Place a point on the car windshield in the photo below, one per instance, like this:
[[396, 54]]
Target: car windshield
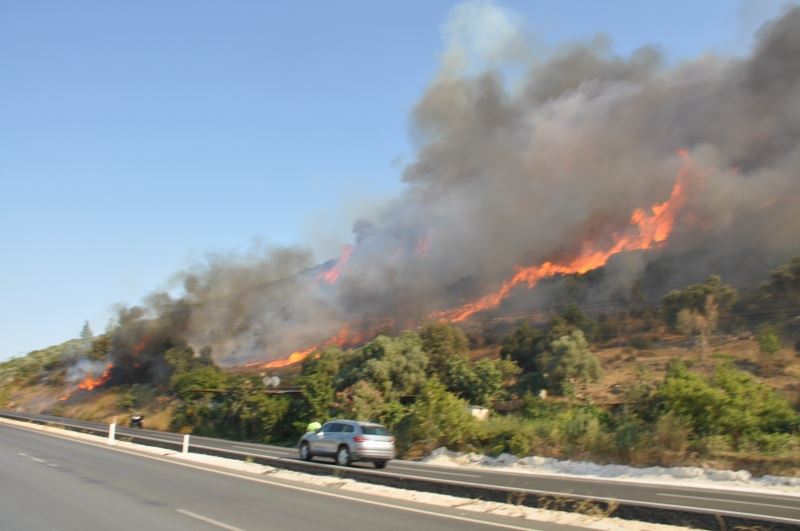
[[374, 430]]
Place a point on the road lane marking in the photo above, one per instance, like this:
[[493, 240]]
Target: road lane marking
[[208, 520], [37, 459], [447, 516], [435, 472], [67, 436], [794, 506]]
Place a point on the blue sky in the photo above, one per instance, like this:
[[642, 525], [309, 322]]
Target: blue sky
[[136, 137]]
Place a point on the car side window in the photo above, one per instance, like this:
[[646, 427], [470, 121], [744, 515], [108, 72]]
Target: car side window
[[347, 428], [327, 428], [334, 427]]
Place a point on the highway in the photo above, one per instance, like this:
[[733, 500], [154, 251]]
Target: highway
[[774, 506], [56, 483]]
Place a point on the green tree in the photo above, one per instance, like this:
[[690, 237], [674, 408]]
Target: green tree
[[768, 343], [328, 361], [255, 416], [100, 347], [701, 324], [394, 366], [86, 332], [362, 402], [481, 382], [197, 382], [525, 347], [318, 391], [568, 363], [574, 316], [783, 287], [179, 360], [440, 418], [695, 299], [442, 342]]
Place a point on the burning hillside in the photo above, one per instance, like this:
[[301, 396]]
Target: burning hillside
[[587, 160]]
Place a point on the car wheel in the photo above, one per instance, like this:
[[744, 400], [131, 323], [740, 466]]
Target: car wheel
[[305, 452], [343, 457], [380, 464]]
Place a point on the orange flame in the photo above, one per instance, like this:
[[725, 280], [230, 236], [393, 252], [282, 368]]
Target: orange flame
[[140, 346], [90, 382], [345, 337], [332, 275], [294, 357], [650, 229]]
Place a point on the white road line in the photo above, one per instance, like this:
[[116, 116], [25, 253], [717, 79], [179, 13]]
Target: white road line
[[53, 465], [794, 506], [66, 437], [436, 472], [446, 516], [22, 454], [207, 520], [38, 460]]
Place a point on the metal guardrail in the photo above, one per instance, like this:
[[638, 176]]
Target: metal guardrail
[[597, 505]]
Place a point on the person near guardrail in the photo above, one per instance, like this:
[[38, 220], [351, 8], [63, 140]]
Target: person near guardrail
[[137, 421]]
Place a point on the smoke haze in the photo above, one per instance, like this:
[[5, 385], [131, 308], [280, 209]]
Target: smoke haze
[[520, 160]]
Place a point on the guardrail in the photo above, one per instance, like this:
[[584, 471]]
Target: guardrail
[[592, 505]]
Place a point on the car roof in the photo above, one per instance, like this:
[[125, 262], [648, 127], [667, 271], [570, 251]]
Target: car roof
[[357, 422]]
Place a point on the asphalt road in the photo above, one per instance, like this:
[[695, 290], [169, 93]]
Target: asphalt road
[[756, 504], [56, 483]]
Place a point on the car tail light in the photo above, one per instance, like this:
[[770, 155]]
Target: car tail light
[[359, 438]]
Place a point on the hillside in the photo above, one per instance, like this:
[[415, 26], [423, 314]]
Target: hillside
[[709, 376]]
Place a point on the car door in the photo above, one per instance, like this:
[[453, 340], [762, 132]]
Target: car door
[[327, 441], [346, 435]]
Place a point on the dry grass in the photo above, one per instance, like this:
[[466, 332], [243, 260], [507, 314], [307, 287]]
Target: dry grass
[[625, 366]]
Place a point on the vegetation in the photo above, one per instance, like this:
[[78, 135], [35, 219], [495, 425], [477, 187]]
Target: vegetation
[[540, 383]]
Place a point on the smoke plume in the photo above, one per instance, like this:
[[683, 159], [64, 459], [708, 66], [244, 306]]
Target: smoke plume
[[523, 160]]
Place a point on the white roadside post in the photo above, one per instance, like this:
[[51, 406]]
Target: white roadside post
[[186, 443], [112, 430]]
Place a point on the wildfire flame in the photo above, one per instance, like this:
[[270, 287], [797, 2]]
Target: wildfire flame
[[92, 382], [650, 229], [345, 337], [294, 357], [140, 346], [332, 275]]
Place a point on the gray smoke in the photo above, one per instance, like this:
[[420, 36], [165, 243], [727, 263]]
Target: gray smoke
[[521, 160]]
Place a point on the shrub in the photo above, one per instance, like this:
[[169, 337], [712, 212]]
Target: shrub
[[771, 444], [729, 403], [439, 418], [631, 433], [519, 445], [671, 433], [442, 342], [525, 346], [570, 363], [768, 343], [694, 298]]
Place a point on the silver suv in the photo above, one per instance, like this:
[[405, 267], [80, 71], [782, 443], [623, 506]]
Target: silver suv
[[348, 441]]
